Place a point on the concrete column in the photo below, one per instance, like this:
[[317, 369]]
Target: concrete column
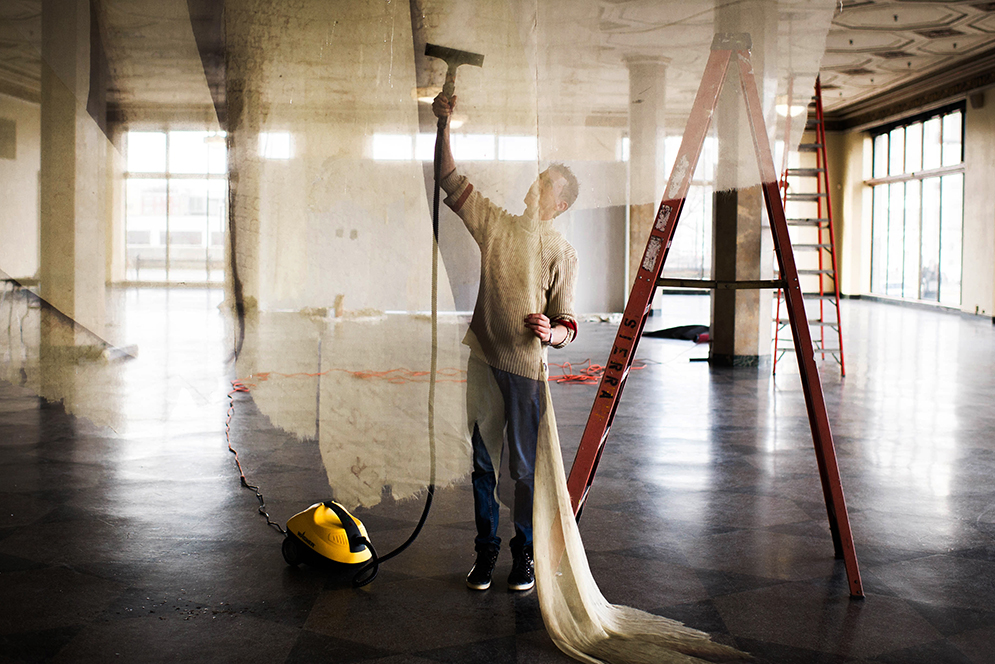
[[73, 178], [647, 97], [742, 244], [977, 287]]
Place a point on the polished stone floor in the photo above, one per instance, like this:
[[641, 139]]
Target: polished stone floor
[[129, 538]]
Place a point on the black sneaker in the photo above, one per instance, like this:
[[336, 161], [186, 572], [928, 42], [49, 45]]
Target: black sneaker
[[479, 577], [522, 575]]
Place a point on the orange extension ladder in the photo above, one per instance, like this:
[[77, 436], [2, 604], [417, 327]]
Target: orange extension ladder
[[726, 48], [814, 236]]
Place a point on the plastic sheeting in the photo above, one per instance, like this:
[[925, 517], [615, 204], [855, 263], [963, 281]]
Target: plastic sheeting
[[330, 146], [333, 243], [335, 223]]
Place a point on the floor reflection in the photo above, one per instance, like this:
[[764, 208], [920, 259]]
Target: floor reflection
[[707, 506]]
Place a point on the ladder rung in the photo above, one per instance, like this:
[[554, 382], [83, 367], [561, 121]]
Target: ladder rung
[[664, 282], [805, 197], [804, 172], [812, 322], [811, 272], [781, 349], [809, 147], [808, 222], [823, 245], [819, 296]]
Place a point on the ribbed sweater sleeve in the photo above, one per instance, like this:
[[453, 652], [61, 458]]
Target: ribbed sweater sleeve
[[560, 299]]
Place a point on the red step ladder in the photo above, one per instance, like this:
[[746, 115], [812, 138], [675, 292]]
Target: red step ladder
[[815, 236], [725, 48]]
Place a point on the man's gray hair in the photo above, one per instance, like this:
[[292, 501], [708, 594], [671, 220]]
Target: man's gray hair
[[572, 187]]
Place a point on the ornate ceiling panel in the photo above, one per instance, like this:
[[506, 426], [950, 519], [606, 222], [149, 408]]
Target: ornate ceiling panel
[[876, 49]]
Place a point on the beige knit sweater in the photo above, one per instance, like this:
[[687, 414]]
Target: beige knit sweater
[[526, 266]]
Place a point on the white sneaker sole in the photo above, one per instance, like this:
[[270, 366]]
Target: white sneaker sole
[[478, 586]]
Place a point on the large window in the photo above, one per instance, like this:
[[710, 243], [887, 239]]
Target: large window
[[918, 213], [690, 255], [177, 193]]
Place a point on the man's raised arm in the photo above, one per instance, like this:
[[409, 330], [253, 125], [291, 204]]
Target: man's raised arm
[[443, 107]]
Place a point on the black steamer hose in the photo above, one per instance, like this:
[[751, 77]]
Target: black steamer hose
[[369, 571]]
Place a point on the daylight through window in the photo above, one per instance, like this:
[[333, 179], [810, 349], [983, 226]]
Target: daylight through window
[[918, 209], [177, 196]]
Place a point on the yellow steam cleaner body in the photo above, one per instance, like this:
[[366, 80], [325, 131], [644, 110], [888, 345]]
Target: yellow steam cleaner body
[[326, 531]]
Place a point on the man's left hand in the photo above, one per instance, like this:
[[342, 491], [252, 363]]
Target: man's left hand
[[540, 326]]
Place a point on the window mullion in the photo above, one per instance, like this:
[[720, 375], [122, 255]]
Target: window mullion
[[918, 175]]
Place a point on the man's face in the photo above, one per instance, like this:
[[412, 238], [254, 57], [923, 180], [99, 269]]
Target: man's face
[[546, 195]]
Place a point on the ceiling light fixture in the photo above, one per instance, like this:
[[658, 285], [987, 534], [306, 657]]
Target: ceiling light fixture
[[798, 109]]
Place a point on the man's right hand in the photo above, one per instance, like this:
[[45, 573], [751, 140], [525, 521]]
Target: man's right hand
[[443, 106]]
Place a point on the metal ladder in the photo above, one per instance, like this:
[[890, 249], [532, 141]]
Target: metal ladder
[[728, 50], [810, 218]]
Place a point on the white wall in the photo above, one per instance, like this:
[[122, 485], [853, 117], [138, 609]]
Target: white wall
[[19, 190]]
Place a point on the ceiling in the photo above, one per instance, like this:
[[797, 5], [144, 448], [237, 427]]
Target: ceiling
[[884, 58], [20, 49], [881, 58]]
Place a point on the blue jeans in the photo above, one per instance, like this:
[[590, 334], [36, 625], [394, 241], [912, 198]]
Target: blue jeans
[[498, 404]]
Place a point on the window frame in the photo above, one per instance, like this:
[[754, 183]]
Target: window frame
[[882, 186], [168, 177]]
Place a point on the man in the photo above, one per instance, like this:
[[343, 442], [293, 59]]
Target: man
[[524, 304]]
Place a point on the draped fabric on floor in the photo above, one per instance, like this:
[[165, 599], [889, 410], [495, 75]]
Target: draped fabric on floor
[[579, 619]]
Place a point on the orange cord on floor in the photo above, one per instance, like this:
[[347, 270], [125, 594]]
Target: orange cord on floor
[[587, 374], [397, 376]]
